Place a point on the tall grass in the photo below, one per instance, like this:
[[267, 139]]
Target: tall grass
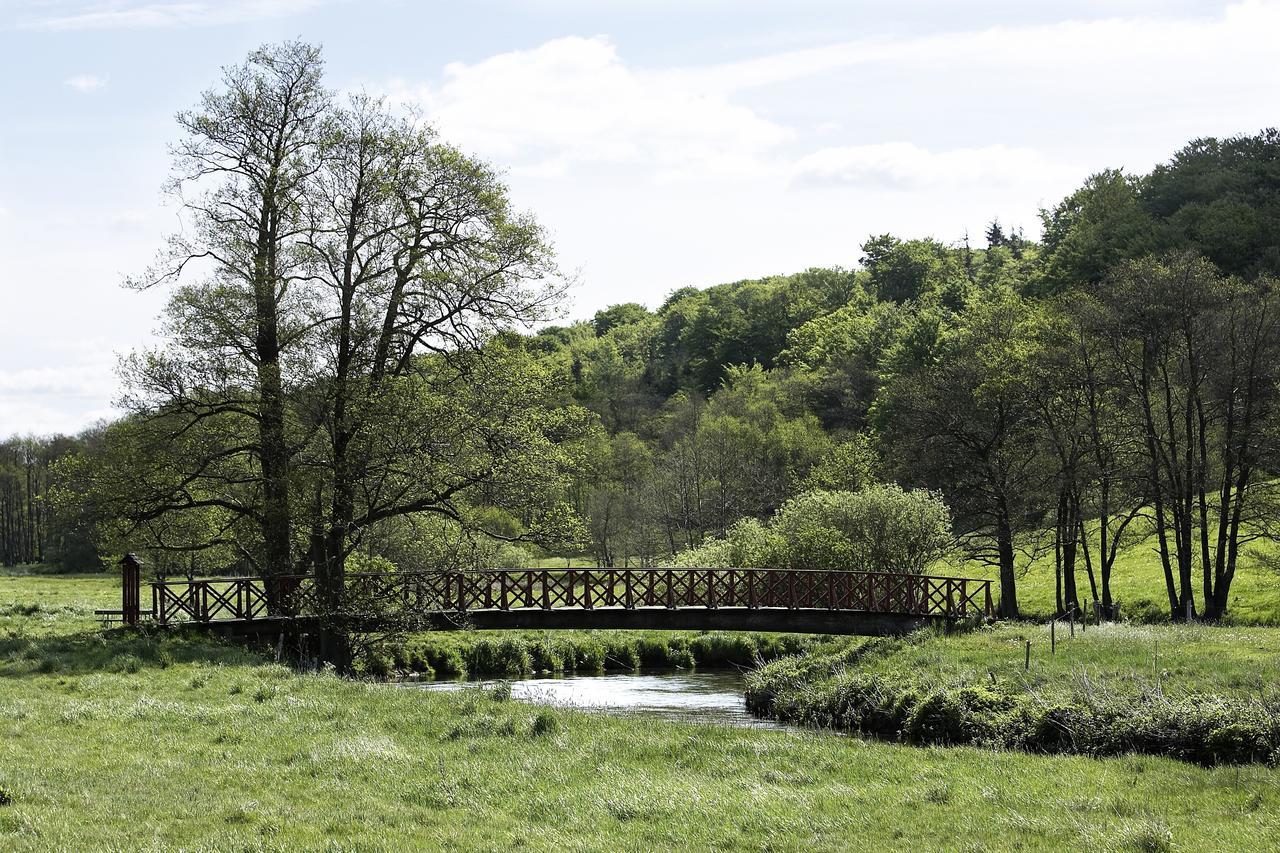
[[452, 654], [1211, 698]]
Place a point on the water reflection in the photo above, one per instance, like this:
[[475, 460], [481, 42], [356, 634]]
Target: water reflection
[[706, 697]]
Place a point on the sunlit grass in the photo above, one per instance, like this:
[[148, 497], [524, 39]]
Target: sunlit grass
[[120, 740], [1137, 583]]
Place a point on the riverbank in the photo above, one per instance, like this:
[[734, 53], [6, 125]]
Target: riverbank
[[516, 654], [1201, 693]]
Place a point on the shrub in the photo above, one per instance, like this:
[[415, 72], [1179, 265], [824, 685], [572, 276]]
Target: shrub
[[620, 653], [445, 660], [880, 527], [508, 656], [544, 723], [653, 651], [416, 660], [375, 663], [545, 657], [589, 656], [712, 650]]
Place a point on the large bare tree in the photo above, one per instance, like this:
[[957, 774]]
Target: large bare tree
[[241, 173]]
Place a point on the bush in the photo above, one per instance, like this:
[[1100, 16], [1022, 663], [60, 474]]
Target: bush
[[589, 656], [544, 723], [653, 651], [445, 660], [508, 656], [879, 528], [712, 650], [545, 657], [621, 654], [375, 663]]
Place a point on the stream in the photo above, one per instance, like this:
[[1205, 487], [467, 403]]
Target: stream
[[703, 697]]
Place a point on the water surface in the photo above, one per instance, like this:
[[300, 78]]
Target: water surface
[[704, 697]]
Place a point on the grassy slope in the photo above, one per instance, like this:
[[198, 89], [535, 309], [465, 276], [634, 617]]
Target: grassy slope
[[1137, 582], [123, 741], [1120, 659]]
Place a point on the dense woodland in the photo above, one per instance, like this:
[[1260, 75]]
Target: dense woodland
[[359, 373]]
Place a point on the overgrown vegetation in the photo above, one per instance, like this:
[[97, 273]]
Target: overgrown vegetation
[[455, 654], [1196, 693]]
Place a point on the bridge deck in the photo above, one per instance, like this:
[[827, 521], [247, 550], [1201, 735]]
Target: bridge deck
[[816, 601]]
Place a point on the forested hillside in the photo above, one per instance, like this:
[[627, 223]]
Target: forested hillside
[[1114, 381], [401, 403]]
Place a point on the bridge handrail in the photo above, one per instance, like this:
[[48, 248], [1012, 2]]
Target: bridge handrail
[[444, 590], [554, 570]]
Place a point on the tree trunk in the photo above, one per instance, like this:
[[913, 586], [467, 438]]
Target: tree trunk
[[1008, 579]]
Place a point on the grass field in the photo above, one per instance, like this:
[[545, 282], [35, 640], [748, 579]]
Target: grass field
[[1137, 583], [1118, 658], [120, 740]]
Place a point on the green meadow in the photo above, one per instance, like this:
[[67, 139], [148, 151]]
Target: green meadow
[[130, 740]]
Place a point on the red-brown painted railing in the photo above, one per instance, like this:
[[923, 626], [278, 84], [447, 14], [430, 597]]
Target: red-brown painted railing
[[249, 598]]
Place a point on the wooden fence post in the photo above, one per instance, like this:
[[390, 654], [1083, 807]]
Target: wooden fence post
[[131, 589]]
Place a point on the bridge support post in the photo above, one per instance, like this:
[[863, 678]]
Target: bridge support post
[[131, 589]]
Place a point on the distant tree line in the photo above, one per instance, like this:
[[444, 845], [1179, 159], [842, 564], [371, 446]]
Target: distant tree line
[[34, 526]]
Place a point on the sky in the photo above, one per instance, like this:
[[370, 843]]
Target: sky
[[662, 143]]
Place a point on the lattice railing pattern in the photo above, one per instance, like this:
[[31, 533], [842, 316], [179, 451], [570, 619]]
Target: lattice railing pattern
[[248, 598]]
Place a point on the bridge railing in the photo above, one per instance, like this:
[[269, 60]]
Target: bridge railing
[[380, 593]]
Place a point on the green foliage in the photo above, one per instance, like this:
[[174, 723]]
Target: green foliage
[[1219, 197], [513, 654], [906, 270], [1096, 227], [881, 528]]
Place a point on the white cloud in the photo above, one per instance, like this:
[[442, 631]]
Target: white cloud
[[86, 83], [574, 101], [120, 14], [1087, 52], [904, 166], [25, 417], [64, 399], [80, 379]]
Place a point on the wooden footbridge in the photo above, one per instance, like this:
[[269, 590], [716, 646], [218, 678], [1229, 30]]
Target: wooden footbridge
[[807, 601]]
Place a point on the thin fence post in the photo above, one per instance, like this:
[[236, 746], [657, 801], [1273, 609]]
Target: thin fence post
[[1027, 666], [131, 589], [1053, 636]]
